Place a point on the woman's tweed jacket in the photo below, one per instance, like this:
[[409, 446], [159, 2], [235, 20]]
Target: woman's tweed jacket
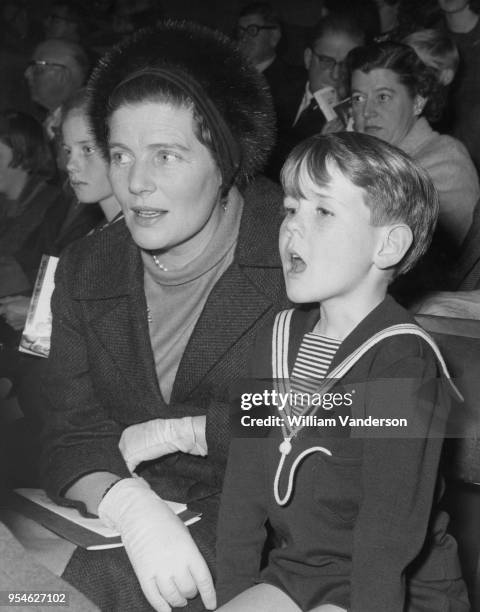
[[101, 376]]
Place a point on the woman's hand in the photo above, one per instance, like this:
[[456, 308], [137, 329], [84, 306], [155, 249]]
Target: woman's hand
[[165, 558], [159, 437], [15, 309]]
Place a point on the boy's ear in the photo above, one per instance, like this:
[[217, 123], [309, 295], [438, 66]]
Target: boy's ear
[[397, 239]]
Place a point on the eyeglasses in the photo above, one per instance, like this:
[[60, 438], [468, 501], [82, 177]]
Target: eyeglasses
[[330, 63], [42, 66], [252, 30]]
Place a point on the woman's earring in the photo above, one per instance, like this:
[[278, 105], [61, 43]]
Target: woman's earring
[[419, 106]]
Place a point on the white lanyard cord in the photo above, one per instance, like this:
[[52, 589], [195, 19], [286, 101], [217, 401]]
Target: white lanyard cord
[[285, 448]]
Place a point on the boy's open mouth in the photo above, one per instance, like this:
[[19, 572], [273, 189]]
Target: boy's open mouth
[[296, 263]]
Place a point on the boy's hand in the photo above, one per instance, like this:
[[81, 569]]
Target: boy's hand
[[165, 558]]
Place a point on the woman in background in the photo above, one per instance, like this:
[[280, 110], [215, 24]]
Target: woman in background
[[88, 177], [30, 204], [394, 96]]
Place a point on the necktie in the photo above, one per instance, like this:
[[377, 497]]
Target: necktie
[[311, 120]]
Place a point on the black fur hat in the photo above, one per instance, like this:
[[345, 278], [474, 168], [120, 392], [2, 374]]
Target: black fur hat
[[231, 92]]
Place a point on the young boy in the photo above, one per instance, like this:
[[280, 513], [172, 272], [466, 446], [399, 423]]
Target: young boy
[[350, 507]]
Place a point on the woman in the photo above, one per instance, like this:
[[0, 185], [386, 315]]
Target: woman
[[27, 199], [394, 96], [153, 319], [87, 173]]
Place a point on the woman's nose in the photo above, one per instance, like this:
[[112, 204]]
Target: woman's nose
[[140, 181], [369, 108]]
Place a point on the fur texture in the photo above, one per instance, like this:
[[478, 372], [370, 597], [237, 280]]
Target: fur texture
[[238, 91]]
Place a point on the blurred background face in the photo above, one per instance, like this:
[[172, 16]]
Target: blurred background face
[[165, 179], [325, 62], [87, 169], [260, 46], [50, 81], [453, 6], [61, 23], [11, 179], [381, 105]]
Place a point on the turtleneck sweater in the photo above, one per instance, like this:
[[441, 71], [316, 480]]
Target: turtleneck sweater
[[176, 298]]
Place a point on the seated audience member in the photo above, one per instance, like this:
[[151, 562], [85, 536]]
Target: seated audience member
[[16, 44], [356, 514], [462, 22], [155, 317], [327, 84], [388, 14], [363, 12], [437, 51], [31, 206], [88, 178], [64, 21], [394, 96], [258, 33], [58, 68]]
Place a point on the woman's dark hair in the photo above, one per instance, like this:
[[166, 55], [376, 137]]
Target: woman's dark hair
[[25, 136], [419, 79]]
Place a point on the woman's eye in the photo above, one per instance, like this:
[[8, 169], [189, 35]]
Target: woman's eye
[[324, 212], [164, 157], [119, 158], [287, 211], [88, 150], [357, 99]]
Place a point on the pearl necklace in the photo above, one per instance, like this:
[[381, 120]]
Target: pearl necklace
[[159, 264]]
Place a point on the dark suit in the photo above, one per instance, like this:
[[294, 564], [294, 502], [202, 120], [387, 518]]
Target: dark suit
[[286, 83], [310, 122], [101, 376]]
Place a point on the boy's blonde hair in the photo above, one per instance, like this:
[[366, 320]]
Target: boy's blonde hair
[[396, 189], [437, 51]]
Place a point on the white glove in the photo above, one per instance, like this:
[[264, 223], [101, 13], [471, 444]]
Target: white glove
[[165, 558], [159, 437]]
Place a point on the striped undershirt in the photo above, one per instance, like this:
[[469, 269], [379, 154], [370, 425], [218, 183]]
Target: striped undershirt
[[313, 360]]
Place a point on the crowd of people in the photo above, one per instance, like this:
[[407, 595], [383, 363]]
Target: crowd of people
[[155, 163]]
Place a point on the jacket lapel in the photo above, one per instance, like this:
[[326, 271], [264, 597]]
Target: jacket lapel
[[240, 297], [118, 316], [216, 332]]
